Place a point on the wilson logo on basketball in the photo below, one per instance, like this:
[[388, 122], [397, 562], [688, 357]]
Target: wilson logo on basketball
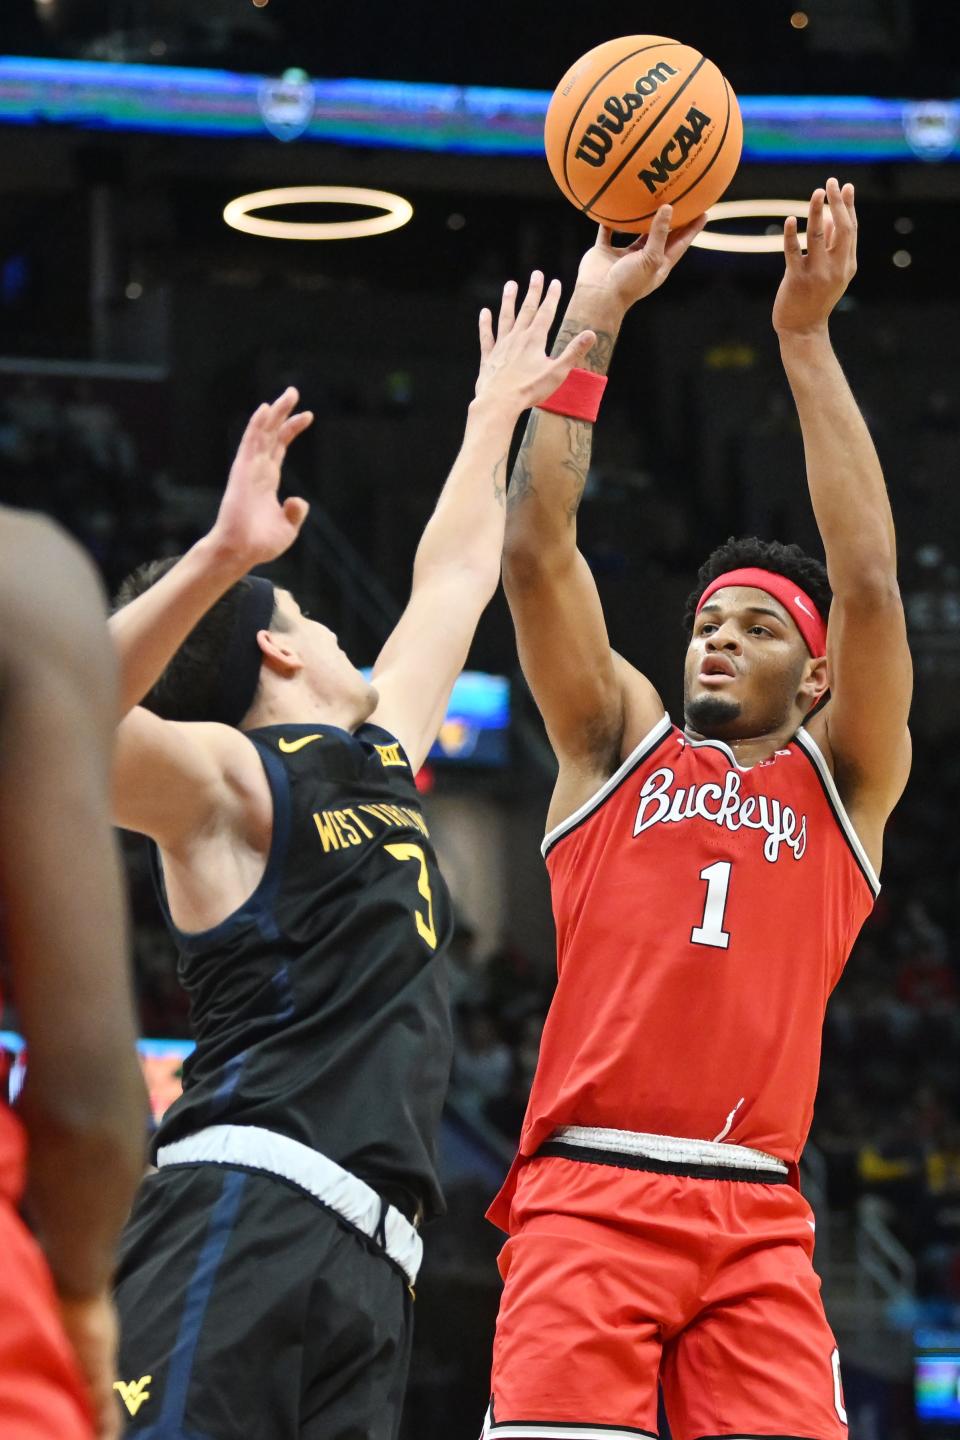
[[686, 136], [596, 141], [722, 805]]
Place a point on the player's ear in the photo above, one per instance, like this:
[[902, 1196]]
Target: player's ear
[[279, 656], [815, 683]]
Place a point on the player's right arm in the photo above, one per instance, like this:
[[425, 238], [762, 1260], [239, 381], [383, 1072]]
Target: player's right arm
[[595, 706], [63, 917], [169, 779]]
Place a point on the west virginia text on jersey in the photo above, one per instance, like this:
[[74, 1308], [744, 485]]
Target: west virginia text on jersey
[[320, 1006]]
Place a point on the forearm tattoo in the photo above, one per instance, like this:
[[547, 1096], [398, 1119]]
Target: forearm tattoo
[[579, 433], [577, 463], [521, 481], [598, 357], [500, 480]]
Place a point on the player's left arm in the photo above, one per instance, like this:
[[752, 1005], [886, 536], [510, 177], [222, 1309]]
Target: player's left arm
[[63, 932], [868, 659], [457, 564]]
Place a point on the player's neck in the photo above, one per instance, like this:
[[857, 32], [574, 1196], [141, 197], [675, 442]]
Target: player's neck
[[749, 750], [303, 707]]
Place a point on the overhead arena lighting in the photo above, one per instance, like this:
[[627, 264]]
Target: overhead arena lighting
[[395, 211], [749, 210]]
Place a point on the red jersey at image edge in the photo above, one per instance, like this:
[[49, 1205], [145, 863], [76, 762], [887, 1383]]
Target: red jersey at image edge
[[13, 1140], [704, 912]]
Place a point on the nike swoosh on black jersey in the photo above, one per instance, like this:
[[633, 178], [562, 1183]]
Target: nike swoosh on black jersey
[[290, 746]]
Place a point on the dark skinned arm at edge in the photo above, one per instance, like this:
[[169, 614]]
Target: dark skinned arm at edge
[[64, 925]]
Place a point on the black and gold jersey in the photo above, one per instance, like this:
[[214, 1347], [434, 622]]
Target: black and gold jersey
[[319, 1008]]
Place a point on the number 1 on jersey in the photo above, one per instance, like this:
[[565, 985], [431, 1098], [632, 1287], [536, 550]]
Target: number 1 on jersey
[[710, 931], [425, 928]]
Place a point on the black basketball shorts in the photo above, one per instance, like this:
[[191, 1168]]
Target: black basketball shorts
[[249, 1310]]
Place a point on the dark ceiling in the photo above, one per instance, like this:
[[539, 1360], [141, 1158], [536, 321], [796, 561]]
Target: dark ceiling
[[893, 47], [475, 219]]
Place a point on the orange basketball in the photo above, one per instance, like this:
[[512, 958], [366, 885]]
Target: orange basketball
[[640, 122]]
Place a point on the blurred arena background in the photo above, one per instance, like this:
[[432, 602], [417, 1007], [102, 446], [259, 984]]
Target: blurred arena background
[[137, 332]]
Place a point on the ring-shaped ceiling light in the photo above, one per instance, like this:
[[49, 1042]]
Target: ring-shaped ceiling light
[[747, 210], [395, 211]]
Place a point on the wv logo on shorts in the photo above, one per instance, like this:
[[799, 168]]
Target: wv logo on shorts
[[134, 1394]]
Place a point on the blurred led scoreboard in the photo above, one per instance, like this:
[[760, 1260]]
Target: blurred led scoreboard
[[476, 727], [98, 95], [937, 1376], [160, 1060]]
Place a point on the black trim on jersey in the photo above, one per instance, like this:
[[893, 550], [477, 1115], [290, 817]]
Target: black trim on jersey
[[639, 759], [811, 759], [540, 1425], [691, 1170], [259, 905]]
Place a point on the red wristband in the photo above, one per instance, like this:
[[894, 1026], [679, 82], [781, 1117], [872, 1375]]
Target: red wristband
[[579, 396]]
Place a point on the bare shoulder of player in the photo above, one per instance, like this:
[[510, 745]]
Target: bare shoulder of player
[[579, 780], [180, 783], [642, 706], [816, 728], [868, 806]]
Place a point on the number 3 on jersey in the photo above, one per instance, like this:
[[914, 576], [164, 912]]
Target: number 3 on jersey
[[710, 931], [425, 927]]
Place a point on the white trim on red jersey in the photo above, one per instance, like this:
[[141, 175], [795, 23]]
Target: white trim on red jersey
[[719, 745], [807, 743], [652, 738], [674, 1149]]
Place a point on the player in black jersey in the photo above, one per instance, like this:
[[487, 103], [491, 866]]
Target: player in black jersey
[[266, 1274]]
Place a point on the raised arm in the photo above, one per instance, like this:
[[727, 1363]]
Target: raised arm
[[169, 777], [594, 705], [457, 565], [252, 527], [63, 919], [865, 723]]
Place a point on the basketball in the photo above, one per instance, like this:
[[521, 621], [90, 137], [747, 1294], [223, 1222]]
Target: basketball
[[641, 122]]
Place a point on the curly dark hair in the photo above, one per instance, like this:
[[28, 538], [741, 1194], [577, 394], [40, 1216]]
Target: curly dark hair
[[810, 574], [188, 689]]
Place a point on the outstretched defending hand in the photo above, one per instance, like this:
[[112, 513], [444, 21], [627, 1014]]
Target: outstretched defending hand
[[814, 282], [514, 366], [630, 272], [252, 522]]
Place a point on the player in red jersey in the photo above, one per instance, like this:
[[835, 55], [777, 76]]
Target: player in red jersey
[[72, 1151], [707, 887]]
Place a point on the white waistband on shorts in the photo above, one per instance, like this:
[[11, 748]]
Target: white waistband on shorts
[[352, 1198], [670, 1148]]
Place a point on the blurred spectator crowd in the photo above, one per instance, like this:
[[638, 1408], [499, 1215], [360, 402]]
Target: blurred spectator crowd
[[888, 1112], [67, 448]]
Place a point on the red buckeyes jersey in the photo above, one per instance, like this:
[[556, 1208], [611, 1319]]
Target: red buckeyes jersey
[[704, 912]]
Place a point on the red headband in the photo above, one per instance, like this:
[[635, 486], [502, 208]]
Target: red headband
[[795, 601]]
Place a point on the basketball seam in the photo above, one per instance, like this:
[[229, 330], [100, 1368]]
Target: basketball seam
[[634, 219], [630, 153], [672, 44]]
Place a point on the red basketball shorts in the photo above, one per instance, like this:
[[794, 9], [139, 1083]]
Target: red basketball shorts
[[42, 1394], [617, 1279]]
